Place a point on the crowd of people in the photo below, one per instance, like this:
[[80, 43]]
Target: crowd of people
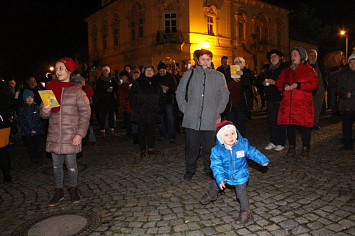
[[210, 106]]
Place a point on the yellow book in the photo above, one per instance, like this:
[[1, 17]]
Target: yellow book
[[48, 98], [234, 69]]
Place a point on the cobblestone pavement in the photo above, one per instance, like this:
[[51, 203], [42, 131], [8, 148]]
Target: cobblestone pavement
[[290, 197]]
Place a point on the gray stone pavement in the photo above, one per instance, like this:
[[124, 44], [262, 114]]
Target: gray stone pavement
[[290, 197]]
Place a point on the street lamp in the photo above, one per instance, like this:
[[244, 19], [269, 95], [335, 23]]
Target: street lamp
[[51, 68], [344, 33]]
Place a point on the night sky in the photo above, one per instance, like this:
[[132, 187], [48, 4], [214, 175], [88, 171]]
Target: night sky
[[34, 33]]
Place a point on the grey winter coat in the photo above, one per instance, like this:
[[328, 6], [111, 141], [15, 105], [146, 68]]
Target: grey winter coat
[[208, 96]]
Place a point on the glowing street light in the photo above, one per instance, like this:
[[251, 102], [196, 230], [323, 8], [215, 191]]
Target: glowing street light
[[51, 68], [344, 33]]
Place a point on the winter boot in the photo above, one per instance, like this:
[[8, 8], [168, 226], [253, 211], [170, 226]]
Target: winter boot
[[291, 152], [207, 198], [74, 196], [244, 217], [305, 153], [57, 197]]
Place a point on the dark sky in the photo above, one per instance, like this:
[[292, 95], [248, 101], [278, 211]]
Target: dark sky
[[34, 33]]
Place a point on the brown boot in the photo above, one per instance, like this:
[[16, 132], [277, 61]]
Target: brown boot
[[291, 152], [305, 153], [244, 217], [103, 132], [207, 198]]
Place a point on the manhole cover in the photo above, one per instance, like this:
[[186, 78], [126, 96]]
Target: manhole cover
[[61, 224]]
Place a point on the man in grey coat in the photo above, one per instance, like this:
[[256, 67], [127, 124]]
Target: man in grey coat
[[202, 97]]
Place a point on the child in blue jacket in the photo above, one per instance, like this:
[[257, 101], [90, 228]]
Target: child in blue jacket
[[28, 118], [229, 166]]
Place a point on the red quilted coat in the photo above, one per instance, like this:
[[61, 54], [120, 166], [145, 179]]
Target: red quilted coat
[[296, 106]]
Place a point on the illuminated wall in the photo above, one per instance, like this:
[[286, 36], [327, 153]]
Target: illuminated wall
[[247, 28]]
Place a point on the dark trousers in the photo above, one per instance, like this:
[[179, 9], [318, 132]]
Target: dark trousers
[[167, 126], [33, 144], [240, 191], [348, 121], [305, 135], [146, 134], [194, 140], [5, 162], [238, 119], [127, 123], [277, 132], [104, 113]]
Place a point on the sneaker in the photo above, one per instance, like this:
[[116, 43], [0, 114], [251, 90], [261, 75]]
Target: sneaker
[[57, 197], [279, 148], [207, 198], [74, 196], [270, 146]]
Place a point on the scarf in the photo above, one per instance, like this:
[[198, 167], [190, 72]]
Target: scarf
[[56, 86], [293, 66]]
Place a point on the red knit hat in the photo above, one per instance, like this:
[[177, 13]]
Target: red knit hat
[[223, 126], [69, 64]]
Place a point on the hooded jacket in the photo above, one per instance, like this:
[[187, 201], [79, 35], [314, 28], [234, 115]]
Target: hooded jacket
[[232, 164], [208, 96]]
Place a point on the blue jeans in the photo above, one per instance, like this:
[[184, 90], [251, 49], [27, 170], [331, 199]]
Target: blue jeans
[[92, 137], [167, 125], [277, 132], [238, 119], [111, 118], [58, 174], [347, 127]]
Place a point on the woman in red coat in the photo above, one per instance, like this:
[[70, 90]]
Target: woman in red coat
[[297, 83]]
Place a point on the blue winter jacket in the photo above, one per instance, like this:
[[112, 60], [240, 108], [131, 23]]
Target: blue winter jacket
[[232, 164], [28, 117]]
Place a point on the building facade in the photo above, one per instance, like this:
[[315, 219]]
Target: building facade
[[139, 32]]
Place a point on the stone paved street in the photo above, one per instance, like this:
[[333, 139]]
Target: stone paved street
[[290, 197]]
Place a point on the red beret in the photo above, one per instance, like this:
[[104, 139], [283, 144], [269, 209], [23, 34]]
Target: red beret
[[69, 64]]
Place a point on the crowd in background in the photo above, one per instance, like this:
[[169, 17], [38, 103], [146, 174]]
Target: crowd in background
[[149, 99]]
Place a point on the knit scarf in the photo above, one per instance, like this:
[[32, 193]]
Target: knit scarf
[[56, 86]]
